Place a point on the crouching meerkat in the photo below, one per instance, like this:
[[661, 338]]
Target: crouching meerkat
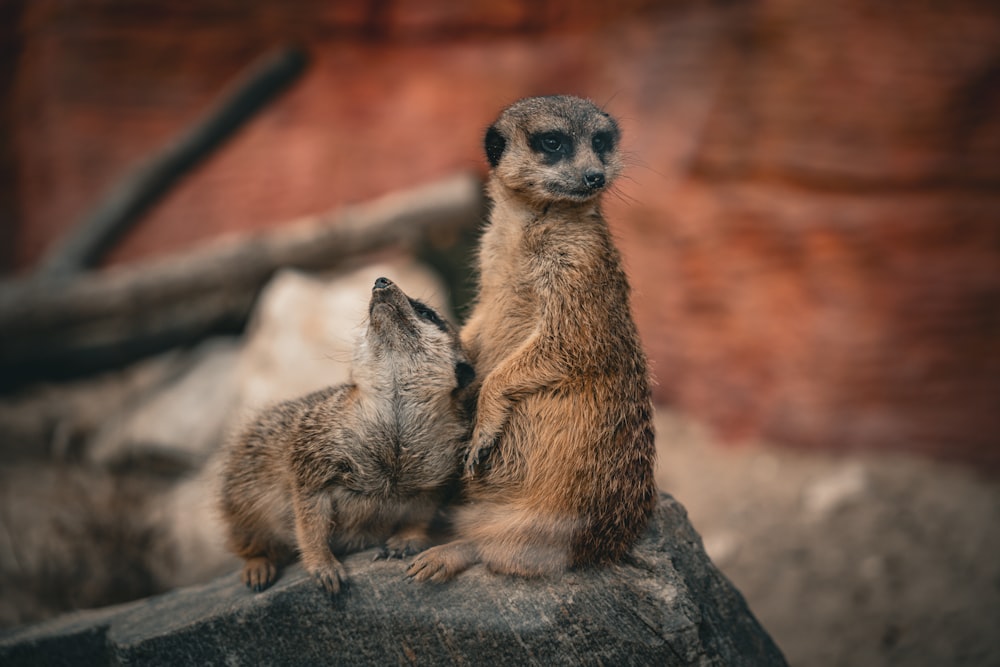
[[560, 470], [355, 465]]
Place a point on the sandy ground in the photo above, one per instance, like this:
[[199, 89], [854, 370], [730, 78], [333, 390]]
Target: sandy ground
[[858, 561]]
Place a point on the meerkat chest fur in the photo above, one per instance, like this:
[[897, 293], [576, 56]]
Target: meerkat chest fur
[[546, 252], [526, 257], [408, 371], [400, 390]]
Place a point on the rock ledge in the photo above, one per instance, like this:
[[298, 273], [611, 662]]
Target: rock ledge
[[671, 606]]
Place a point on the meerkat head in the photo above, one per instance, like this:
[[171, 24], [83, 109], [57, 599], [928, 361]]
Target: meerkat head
[[407, 339], [556, 148]]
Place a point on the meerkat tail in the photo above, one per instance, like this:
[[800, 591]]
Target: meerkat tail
[[520, 540]]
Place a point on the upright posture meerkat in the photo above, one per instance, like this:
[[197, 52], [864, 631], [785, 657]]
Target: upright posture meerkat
[[354, 465], [560, 471]]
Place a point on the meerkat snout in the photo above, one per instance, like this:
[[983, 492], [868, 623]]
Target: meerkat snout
[[594, 179]]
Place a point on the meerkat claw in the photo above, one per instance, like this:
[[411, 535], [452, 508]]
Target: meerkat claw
[[478, 458]]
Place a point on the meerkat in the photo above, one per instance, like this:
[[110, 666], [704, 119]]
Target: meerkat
[[354, 465], [560, 468]]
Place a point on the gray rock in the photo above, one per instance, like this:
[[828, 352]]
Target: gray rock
[[182, 421], [53, 421], [191, 532], [671, 606]]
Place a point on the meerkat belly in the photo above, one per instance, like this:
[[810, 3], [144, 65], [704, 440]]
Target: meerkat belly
[[547, 438], [271, 509], [363, 521], [506, 324]]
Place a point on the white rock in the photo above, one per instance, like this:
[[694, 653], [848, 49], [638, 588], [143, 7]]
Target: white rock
[[721, 546], [300, 339], [181, 421], [830, 493], [191, 532], [302, 333]]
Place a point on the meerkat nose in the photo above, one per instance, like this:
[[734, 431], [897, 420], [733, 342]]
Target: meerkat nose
[[594, 179], [381, 283]]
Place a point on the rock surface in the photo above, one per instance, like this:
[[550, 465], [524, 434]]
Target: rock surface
[[824, 273], [860, 561], [670, 607]]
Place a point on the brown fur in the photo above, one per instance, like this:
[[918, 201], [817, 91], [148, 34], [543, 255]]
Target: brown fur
[[355, 465], [560, 473]]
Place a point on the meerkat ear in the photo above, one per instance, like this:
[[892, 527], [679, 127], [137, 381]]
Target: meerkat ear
[[495, 145], [464, 374]]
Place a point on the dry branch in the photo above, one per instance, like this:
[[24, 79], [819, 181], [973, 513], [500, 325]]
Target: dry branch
[[51, 326], [125, 203]]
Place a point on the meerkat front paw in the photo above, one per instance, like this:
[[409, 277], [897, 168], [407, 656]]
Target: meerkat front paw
[[259, 573], [403, 545], [483, 443], [441, 563], [331, 576], [492, 413]]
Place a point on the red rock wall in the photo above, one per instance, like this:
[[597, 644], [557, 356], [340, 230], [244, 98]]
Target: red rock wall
[[810, 220], [830, 268]]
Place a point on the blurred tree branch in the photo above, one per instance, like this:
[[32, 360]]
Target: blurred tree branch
[[51, 327], [125, 203]]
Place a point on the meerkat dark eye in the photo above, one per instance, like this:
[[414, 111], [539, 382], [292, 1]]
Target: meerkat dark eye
[[554, 144], [464, 374], [428, 314], [495, 145], [602, 142]]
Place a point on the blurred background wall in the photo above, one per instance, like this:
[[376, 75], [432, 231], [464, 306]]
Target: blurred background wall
[[811, 218]]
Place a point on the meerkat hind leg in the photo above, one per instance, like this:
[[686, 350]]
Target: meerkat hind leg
[[313, 530], [441, 563]]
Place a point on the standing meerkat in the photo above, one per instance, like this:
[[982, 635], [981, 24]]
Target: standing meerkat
[[560, 470], [355, 465]]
